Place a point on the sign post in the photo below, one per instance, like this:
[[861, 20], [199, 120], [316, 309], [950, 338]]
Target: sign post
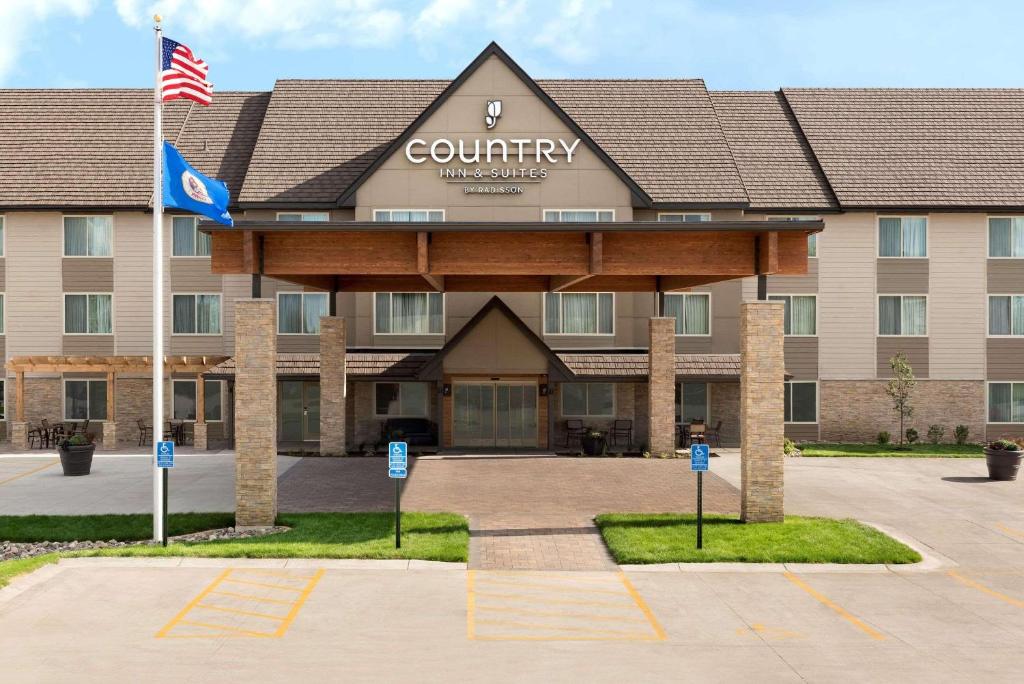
[[699, 458], [164, 461], [398, 470]]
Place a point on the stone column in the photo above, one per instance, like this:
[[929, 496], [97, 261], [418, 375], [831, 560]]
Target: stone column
[[255, 413], [109, 435], [762, 374], [661, 387], [19, 435], [200, 430], [332, 386], [201, 436]]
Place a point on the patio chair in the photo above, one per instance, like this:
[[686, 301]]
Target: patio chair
[[698, 433], [622, 429], [85, 427], [145, 432], [574, 432], [715, 433], [47, 432], [34, 433]]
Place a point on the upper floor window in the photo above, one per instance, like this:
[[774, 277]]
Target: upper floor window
[[588, 399], [812, 245], [88, 314], [1006, 315], [85, 400], [801, 402], [673, 217], [185, 406], [408, 313], [903, 315], [298, 313], [90, 236], [903, 236], [579, 215], [408, 215], [303, 216], [579, 313], [404, 399], [1006, 237], [692, 312], [1006, 402], [187, 240], [801, 314], [196, 314]]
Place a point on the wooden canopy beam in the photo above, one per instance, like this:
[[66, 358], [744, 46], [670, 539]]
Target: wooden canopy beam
[[110, 364], [768, 253]]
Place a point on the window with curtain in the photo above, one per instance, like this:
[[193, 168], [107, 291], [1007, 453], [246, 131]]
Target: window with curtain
[[902, 315], [1006, 402], [904, 236], [304, 216], [299, 313], [684, 218], [691, 402], [85, 400], [579, 313], [588, 399], [812, 245], [402, 399], [579, 215], [801, 402], [408, 215], [408, 313], [801, 314], [196, 314], [692, 312], [88, 236], [1006, 315], [184, 405], [186, 240], [1006, 237], [88, 314]]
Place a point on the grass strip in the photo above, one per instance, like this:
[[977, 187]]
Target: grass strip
[[890, 451]]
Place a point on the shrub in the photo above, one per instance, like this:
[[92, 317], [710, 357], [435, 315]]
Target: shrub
[[883, 437], [961, 433], [788, 446], [936, 433], [912, 435], [1004, 445]]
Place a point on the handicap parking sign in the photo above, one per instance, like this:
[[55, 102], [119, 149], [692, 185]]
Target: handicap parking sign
[[398, 460], [165, 454], [699, 456]]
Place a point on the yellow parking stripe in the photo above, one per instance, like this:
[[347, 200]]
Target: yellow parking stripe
[[826, 601], [262, 584], [239, 612], [579, 630], [250, 597], [1003, 528], [30, 472], [270, 573], [985, 590], [290, 617], [642, 605], [192, 604], [226, 628], [547, 613], [568, 602]]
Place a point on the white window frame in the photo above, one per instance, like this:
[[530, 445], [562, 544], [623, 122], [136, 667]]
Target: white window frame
[[704, 215], [444, 315], [988, 395], [988, 237], [927, 235], [711, 316], [561, 401], [64, 246], [195, 391], [220, 313], [63, 314], [544, 317], [544, 212], [444, 214], [302, 307], [817, 403], [988, 313], [195, 227], [303, 214], [64, 396], [927, 312], [385, 416], [815, 297]]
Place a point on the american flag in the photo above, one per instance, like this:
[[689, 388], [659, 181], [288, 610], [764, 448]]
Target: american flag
[[183, 75]]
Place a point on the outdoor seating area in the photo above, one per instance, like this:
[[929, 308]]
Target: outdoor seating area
[[46, 435], [181, 432], [698, 432]]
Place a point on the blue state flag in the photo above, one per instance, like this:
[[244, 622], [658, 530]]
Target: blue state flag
[[187, 189]]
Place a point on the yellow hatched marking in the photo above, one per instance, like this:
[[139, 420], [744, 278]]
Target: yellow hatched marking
[[579, 630], [271, 573], [546, 613], [642, 605], [30, 472], [192, 604], [1003, 528], [224, 628], [842, 612], [985, 590], [290, 617], [540, 585], [262, 584], [239, 612], [250, 597], [567, 602]]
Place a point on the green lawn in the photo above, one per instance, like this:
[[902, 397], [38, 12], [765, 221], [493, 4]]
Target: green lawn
[[891, 451], [30, 528], [12, 568], [670, 538]]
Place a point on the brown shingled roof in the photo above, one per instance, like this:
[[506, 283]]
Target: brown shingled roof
[[357, 364], [625, 365]]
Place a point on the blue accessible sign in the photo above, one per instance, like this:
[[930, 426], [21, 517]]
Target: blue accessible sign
[[699, 457], [165, 454], [398, 460]]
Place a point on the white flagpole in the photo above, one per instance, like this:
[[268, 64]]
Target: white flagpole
[[158, 281]]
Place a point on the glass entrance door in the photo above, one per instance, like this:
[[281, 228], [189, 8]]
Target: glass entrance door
[[299, 408], [502, 414]]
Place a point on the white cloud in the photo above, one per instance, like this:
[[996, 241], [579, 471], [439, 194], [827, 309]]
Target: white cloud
[[18, 19], [571, 34], [440, 15]]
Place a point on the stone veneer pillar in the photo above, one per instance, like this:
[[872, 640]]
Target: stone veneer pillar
[[109, 435], [19, 435], [332, 386], [661, 387], [762, 378], [255, 413], [201, 436]]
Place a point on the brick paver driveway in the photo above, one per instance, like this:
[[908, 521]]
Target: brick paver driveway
[[525, 513]]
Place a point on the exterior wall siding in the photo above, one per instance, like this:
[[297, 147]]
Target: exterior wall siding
[[133, 283], [1005, 358], [957, 304], [802, 357], [87, 274], [1005, 276], [34, 295], [905, 276], [916, 349]]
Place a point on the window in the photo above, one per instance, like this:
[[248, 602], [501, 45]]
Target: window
[[85, 400], [579, 215], [801, 315], [583, 399], [196, 314], [184, 402], [304, 216], [691, 402], [1006, 237], [408, 313], [1006, 315], [691, 311], [903, 315], [405, 399], [579, 313], [408, 215], [684, 218], [905, 236], [801, 402], [88, 236], [187, 241], [812, 245], [298, 313], [88, 314], [1006, 402]]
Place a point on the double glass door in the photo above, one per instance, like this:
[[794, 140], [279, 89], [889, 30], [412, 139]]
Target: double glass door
[[495, 414], [299, 407]]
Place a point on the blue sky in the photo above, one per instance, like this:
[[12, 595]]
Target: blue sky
[[731, 44]]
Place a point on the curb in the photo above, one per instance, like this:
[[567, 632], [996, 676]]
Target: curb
[[267, 563]]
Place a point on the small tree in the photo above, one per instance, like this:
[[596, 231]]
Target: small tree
[[900, 388]]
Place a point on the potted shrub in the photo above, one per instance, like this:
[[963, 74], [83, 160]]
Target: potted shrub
[[1003, 459], [76, 454], [593, 442]]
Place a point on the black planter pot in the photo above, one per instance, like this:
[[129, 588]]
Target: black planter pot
[[77, 460], [593, 445], [1002, 464]]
